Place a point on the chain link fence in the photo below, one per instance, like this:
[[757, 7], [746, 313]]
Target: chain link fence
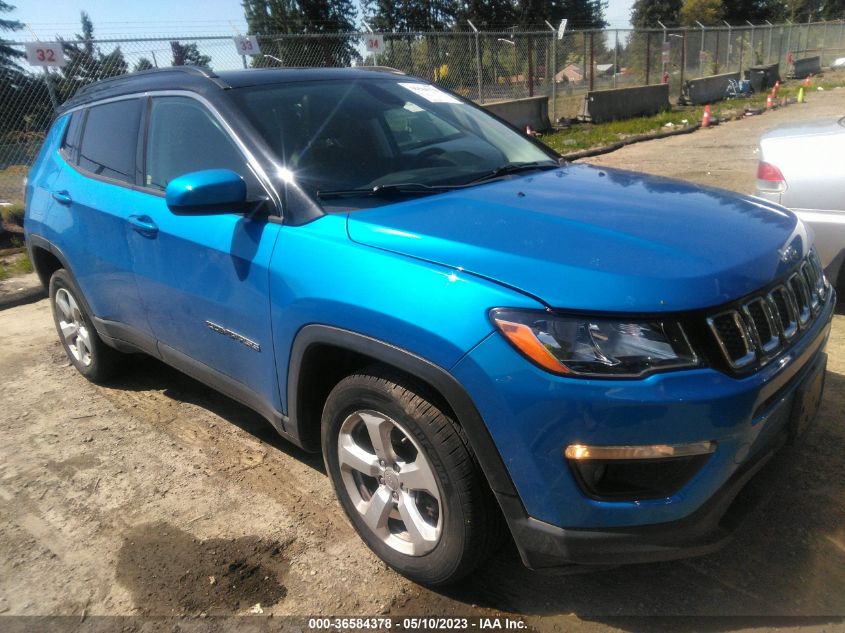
[[483, 66]]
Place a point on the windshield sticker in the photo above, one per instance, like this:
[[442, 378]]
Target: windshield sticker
[[430, 93]]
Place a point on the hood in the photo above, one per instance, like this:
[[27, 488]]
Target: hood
[[585, 238], [812, 128]]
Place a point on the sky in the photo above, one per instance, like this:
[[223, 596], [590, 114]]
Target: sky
[[48, 18]]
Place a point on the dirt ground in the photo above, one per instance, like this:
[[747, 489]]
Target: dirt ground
[[157, 496]]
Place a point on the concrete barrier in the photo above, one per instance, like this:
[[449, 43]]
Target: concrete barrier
[[625, 103], [708, 89], [807, 66], [763, 77], [533, 111]]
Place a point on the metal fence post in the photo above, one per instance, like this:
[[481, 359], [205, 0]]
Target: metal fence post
[[788, 42], [477, 61], [662, 60], [753, 61], [616, 57], [824, 36], [50, 89], [841, 34], [769, 51], [701, 51], [553, 72], [647, 56]]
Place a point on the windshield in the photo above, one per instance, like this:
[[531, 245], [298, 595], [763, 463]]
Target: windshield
[[336, 136]]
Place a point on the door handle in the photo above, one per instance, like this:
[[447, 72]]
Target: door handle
[[144, 225], [62, 197]]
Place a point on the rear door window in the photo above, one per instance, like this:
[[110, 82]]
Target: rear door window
[[110, 140]]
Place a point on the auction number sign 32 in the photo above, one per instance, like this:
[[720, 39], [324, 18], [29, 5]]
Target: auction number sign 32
[[44, 54]]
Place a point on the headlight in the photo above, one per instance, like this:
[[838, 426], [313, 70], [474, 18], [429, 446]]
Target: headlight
[[581, 346]]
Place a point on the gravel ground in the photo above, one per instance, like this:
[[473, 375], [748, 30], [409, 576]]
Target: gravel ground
[[157, 496]]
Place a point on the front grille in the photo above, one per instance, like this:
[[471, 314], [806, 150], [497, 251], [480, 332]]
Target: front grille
[[766, 323]]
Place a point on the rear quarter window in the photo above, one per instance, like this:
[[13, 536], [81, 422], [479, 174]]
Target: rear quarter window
[[110, 140], [70, 144]]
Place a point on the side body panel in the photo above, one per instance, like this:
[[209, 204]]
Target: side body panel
[[89, 228], [204, 281], [319, 276]]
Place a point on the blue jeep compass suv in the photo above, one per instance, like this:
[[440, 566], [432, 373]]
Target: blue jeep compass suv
[[477, 337]]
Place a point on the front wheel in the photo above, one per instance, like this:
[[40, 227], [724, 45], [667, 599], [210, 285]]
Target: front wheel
[[403, 472]]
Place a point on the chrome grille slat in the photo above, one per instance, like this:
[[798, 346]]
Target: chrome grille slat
[[766, 324]]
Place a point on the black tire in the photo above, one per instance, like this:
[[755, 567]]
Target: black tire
[[101, 362], [472, 525]]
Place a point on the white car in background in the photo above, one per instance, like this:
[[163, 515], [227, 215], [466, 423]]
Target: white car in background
[[802, 167]]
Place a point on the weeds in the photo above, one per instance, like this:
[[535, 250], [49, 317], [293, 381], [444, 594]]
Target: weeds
[[19, 266], [588, 136]]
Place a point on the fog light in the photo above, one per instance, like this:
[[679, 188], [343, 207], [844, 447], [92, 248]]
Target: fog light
[[626, 473], [651, 451]]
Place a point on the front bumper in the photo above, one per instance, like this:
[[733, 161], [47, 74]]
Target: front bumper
[[532, 416]]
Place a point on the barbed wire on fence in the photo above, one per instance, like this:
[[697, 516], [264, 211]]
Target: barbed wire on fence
[[483, 66]]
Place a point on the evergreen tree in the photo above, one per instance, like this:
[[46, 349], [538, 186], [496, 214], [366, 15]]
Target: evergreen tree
[[188, 55], [756, 11], [708, 12], [646, 13], [488, 14], [294, 19], [28, 111], [8, 55], [142, 64], [85, 62]]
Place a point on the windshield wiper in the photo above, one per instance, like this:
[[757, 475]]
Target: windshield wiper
[[515, 168], [411, 188]]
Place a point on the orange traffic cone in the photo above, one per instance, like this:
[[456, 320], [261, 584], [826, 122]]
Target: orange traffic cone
[[775, 89], [769, 102], [807, 81], [529, 131], [705, 119]]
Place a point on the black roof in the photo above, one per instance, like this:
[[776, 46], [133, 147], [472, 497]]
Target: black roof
[[205, 80]]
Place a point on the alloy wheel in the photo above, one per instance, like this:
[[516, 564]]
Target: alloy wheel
[[391, 482], [74, 331]]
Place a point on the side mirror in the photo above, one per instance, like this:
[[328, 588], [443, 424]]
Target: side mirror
[[206, 192]]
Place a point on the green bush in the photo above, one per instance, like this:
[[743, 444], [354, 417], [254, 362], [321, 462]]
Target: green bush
[[13, 214]]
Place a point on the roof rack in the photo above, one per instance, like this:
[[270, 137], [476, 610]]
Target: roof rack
[[198, 71], [381, 69]]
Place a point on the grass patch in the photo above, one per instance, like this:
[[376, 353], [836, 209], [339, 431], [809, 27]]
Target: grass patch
[[17, 266], [589, 136], [11, 183]]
